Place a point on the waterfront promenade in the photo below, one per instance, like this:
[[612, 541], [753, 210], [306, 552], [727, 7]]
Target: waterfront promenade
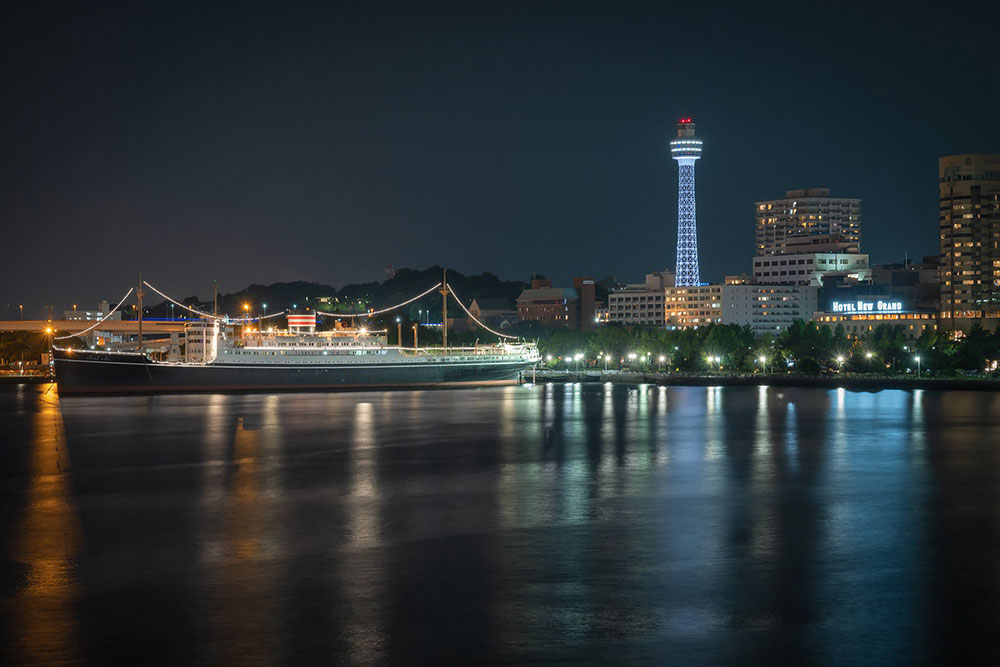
[[845, 380]]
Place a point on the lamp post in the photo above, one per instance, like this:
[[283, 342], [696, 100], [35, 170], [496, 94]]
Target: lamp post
[[399, 332], [662, 359], [631, 356], [840, 364], [578, 357], [171, 312], [414, 336], [265, 309], [763, 363], [917, 359], [21, 308]]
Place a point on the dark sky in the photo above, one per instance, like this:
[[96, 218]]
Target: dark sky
[[322, 142]]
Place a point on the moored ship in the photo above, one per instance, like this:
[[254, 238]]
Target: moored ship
[[217, 358]]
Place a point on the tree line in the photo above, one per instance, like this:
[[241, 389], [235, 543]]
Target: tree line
[[805, 347]]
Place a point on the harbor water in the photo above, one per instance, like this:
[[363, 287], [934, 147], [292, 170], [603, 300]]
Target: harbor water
[[534, 524]]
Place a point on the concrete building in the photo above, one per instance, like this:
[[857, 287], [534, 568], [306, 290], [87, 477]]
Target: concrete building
[[766, 308], [494, 312], [969, 220], [641, 303], [862, 315], [917, 283], [100, 313], [554, 306], [808, 212], [586, 289], [812, 268], [692, 306]]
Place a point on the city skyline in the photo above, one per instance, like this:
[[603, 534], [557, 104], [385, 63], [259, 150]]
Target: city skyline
[[144, 141]]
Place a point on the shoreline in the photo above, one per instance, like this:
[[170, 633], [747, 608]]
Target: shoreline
[[855, 382], [11, 380]]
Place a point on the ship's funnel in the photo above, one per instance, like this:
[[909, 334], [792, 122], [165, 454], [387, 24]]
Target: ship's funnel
[[302, 322]]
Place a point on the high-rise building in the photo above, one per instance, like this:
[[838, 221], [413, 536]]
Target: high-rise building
[[969, 197], [811, 212], [686, 149]]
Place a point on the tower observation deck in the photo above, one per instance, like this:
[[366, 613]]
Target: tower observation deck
[[686, 149]]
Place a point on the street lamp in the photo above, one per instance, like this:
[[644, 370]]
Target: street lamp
[[21, 307], [399, 332], [631, 356], [763, 362], [840, 362], [578, 357], [265, 310], [662, 359], [171, 312], [917, 359]]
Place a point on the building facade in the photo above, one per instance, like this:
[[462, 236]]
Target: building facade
[[692, 306], [808, 212], [969, 221], [641, 304], [557, 306], [494, 312], [767, 308], [810, 268]]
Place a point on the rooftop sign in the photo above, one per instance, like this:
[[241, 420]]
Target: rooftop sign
[[861, 307]]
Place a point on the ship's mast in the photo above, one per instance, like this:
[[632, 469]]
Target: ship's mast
[[444, 310], [138, 298]]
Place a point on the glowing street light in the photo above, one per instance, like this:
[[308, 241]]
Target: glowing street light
[[840, 362], [662, 359], [917, 359], [763, 362]]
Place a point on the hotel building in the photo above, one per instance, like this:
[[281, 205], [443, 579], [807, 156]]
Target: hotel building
[[969, 217], [811, 212]]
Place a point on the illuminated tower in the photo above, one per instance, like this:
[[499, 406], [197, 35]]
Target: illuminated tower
[[686, 148]]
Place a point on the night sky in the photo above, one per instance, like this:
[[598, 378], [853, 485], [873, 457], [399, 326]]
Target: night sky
[[262, 144]]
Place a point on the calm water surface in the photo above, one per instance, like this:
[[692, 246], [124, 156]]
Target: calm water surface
[[519, 525]]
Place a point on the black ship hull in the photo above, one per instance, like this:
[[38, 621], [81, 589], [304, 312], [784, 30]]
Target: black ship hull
[[85, 372]]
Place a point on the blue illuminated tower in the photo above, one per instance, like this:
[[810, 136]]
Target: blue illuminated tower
[[686, 148]]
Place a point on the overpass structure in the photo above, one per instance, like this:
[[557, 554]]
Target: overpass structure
[[121, 327]]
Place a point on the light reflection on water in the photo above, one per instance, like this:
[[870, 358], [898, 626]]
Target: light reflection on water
[[588, 523]]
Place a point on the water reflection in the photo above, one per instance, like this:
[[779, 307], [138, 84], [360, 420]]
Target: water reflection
[[580, 523], [42, 622]]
